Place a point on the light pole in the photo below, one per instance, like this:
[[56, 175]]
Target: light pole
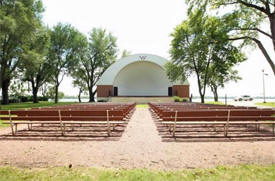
[[264, 74]]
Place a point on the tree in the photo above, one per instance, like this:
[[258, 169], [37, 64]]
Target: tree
[[218, 79], [35, 65], [64, 47], [79, 82], [51, 93], [18, 21], [99, 55], [246, 18], [198, 44], [125, 53]]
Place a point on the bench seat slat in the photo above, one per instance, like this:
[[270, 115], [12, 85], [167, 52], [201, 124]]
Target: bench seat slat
[[220, 122], [220, 118], [64, 122], [65, 118]]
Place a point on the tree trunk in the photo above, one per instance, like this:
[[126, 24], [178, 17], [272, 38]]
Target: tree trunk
[[56, 94], [92, 97], [272, 28], [5, 92], [214, 90], [79, 95], [91, 94], [34, 94], [202, 98], [216, 98]]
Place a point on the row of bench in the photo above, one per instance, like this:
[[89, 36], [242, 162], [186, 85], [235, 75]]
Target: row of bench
[[174, 114], [108, 115]]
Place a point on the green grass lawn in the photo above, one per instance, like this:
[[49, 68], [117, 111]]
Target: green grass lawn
[[238, 173], [271, 104], [213, 102], [142, 106], [23, 105]]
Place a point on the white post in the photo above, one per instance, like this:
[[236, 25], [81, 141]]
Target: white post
[[175, 122], [108, 123]]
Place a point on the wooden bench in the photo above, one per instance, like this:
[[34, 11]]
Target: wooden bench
[[63, 118], [221, 117], [225, 117]]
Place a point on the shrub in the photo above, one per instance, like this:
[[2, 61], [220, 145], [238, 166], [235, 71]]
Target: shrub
[[176, 99], [185, 100], [102, 100]]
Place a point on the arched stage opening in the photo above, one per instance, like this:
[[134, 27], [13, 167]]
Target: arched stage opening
[[142, 78], [139, 75]]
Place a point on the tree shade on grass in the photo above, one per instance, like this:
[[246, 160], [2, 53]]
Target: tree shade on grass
[[243, 172], [271, 104]]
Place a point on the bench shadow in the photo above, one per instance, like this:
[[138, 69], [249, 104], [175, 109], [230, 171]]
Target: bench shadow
[[53, 133], [208, 133]]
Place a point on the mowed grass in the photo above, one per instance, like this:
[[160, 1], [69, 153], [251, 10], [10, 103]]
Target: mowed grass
[[271, 104], [213, 102], [142, 106], [238, 173]]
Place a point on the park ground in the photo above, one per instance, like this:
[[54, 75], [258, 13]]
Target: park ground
[[138, 155]]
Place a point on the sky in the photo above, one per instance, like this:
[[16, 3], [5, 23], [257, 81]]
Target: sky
[[144, 26]]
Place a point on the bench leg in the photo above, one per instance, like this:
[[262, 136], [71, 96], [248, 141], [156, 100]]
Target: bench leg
[[12, 131], [273, 126], [108, 129], [62, 129], [72, 127], [169, 127], [113, 127], [29, 127], [15, 128], [174, 130], [225, 130]]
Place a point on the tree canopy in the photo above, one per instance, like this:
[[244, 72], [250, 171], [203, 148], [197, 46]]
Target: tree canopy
[[245, 19], [65, 48], [200, 45], [18, 21], [98, 56]]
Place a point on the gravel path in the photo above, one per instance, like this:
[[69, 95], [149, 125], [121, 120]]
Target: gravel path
[[139, 147]]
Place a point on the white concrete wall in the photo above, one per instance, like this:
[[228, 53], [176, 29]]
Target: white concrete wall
[[142, 78]]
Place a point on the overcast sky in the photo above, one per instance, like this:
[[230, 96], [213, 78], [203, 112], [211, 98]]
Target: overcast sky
[[144, 26]]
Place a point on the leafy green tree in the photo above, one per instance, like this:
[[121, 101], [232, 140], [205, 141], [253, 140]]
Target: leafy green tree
[[219, 79], [125, 53], [63, 52], [99, 55], [245, 20], [18, 21], [224, 58], [51, 93], [35, 65], [79, 82], [198, 44]]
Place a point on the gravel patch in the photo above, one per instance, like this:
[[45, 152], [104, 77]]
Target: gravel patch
[[139, 147]]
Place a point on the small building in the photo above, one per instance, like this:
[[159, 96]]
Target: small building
[[139, 75]]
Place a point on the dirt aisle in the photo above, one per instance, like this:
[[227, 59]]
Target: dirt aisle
[[139, 147], [141, 129]]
